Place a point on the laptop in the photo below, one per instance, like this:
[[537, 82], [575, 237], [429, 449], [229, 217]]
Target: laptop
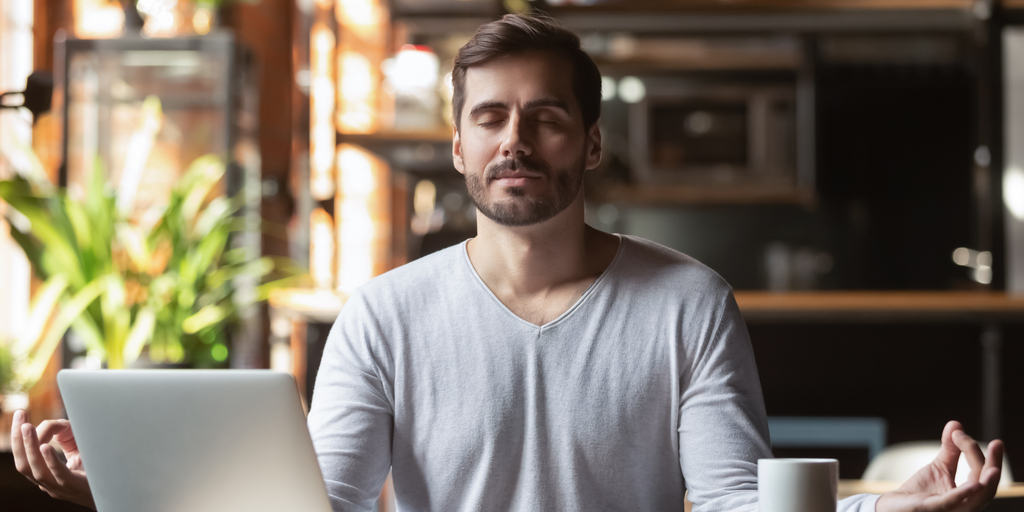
[[193, 440]]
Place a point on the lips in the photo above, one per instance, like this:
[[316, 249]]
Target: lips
[[515, 178], [515, 175]]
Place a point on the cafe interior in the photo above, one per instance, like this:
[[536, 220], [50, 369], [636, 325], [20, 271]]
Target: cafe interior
[[853, 168]]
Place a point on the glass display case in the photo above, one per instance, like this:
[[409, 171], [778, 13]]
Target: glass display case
[[207, 96], [142, 110]]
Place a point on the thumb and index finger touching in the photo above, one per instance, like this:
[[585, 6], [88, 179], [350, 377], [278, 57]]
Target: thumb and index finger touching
[[61, 431], [984, 470], [955, 441]]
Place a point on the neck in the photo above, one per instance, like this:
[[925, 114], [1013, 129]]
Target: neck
[[533, 260]]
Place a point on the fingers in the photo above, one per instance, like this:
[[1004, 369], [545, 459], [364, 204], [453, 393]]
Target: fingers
[[60, 430], [39, 461], [949, 454], [995, 457], [989, 477], [972, 452], [64, 476], [18, 447], [956, 497], [70, 485], [61, 474], [983, 493], [39, 471]]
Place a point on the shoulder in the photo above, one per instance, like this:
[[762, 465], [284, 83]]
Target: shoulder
[[654, 266]]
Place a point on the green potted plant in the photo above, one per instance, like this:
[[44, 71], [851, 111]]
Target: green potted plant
[[125, 283]]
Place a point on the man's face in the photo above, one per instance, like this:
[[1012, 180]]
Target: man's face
[[522, 144]]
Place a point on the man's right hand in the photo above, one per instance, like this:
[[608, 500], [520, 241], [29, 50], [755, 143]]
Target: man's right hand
[[39, 462]]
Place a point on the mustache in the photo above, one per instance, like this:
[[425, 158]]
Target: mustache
[[515, 164]]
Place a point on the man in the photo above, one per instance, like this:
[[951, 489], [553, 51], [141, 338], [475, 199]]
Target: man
[[545, 365]]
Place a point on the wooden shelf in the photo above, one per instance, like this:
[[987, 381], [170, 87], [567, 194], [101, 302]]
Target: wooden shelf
[[323, 306], [306, 304], [702, 194], [879, 306], [766, 5], [750, 17], [438, 136]]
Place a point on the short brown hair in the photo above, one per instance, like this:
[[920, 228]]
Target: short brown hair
[[520, 33]]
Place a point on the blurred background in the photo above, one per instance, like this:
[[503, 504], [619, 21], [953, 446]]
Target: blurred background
[[200, 183]]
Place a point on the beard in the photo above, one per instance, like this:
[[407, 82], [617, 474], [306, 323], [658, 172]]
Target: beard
[[521, 209]]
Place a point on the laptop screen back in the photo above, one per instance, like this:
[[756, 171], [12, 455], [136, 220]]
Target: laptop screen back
[[193, 440]]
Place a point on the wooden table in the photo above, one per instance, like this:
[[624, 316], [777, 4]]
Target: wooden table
[[851, 487], [1007, 498]]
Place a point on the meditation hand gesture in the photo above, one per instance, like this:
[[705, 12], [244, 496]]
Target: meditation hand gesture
[[932, 489], [37, 460]]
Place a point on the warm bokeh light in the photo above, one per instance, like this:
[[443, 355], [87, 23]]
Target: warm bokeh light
[[362, 41], [424, 203], [202, 20], [365, 17], [413, 80], [321, 250], [16, 52], [1013, 191], [364, 217], [162, 17], [414, 69], [357, 94], [98, 19], [322, 131], [632, 90]]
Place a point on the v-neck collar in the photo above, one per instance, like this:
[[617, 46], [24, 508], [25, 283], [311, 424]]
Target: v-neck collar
[[590, 290]]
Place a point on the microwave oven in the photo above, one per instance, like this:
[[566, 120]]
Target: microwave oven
[[715, 134]]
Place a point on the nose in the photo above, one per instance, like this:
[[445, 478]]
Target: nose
[[518, 141]]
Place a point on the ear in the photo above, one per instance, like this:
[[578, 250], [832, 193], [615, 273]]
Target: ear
[[460, 165], [593, 145]]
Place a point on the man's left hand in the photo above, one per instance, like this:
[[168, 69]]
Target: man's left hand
[[932, 489]]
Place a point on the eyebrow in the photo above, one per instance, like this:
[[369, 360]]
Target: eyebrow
[[497, 105]]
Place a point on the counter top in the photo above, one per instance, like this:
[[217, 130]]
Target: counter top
[[323, 306], [880, 306]]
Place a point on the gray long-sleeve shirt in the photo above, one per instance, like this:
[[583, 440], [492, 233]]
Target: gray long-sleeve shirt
[[644, 388]]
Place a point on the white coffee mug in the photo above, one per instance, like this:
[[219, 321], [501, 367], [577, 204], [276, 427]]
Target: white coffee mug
[[797, 485]]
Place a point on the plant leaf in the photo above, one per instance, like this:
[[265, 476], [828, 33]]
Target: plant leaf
[[85, 328], [135, 244], [206, 317], [40, 311], [139, 148], [213, 215], [140, 334], [69, 312], [199, 179]]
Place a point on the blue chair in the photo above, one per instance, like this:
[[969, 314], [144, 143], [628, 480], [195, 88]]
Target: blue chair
[[828, 432]]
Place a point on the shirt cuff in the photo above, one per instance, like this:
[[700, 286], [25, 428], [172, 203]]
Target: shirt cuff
[[858, 503]]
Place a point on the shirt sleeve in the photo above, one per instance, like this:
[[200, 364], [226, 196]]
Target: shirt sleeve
[[723, 427], [351, 418]]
